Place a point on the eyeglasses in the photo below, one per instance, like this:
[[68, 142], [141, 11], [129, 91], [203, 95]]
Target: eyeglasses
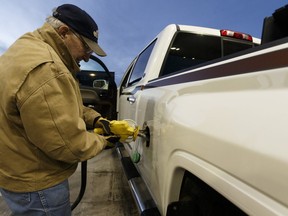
[[86, 47]]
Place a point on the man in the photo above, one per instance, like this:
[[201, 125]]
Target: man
[[42, 120]]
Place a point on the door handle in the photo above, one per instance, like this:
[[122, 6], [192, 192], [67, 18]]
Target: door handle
[[131, 99]]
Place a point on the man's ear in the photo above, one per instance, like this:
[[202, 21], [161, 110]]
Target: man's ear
[[63, 30]]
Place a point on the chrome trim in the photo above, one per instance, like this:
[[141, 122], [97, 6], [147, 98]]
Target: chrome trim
[[141, 195], [139, 190]]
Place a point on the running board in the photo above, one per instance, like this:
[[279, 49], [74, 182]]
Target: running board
[[142, 197]]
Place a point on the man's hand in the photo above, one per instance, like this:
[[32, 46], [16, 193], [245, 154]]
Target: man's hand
[[112, 140], [119, 128], [105, 124], [115, 127]]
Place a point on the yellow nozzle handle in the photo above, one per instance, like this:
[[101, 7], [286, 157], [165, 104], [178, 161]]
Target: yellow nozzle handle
[[122, 129]]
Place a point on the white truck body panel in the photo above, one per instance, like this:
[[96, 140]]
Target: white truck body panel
[[230, 130]]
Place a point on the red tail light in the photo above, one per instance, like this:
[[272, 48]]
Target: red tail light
[[238, 35]]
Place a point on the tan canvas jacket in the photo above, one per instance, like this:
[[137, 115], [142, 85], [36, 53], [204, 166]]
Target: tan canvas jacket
[[42, 121]]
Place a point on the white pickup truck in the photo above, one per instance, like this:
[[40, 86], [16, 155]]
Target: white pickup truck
[[213, 107]]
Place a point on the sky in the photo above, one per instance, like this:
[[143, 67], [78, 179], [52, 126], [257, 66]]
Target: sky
[[127, 26]]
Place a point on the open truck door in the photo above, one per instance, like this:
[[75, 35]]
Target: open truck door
[[98, 87]]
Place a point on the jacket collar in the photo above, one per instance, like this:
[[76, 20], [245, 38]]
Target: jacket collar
[[49, 35]]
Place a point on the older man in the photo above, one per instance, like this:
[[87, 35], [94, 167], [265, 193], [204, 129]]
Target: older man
[[42, 120]]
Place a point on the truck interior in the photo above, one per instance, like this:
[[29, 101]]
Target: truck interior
[[98, 88]]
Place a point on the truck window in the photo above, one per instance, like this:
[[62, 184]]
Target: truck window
[[93, 75], [140, 65], [188, 50], [230, 47]]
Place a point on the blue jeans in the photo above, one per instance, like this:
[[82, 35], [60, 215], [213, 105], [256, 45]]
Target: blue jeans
[[54, 201]]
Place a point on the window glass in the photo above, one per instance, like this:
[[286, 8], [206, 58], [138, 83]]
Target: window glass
[[124, 82], [230, 47], [93, 75], [140, 65], [189, 50], [91, 65]]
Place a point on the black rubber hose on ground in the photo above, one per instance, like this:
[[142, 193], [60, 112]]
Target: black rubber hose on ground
[[83, 184]]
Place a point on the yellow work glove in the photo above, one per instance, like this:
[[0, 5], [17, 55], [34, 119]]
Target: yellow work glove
[[105, 125], [123, 129], [112, 140], [120, 128]]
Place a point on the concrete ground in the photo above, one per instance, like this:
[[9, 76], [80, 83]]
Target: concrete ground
[[107, 191]]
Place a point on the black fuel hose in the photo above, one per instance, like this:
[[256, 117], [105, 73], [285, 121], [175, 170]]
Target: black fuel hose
[[83, 184]]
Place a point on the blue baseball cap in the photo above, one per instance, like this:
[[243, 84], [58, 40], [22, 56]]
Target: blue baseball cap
[[82, 23]]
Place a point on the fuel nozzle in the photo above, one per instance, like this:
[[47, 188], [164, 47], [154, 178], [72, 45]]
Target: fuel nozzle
[[137, 132], [126, 129], [132, 131]]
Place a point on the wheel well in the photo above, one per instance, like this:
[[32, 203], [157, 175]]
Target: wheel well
[[197, 197]]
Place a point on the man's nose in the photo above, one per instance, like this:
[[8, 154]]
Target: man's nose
[[86, 57]]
